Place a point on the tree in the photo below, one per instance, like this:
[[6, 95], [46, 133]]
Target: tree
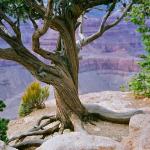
[[140, 15], [65, 17]]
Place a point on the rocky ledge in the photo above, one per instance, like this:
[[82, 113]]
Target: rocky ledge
[[103, 136]]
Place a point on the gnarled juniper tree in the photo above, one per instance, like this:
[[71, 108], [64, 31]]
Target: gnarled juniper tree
[[63, 17]]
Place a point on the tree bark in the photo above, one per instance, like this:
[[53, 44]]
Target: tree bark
[[66, 89], [67, 101]]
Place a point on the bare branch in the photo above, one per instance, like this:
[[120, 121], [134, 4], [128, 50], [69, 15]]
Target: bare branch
[[81, 35], [33, 22], [36, 43], [103, 27], [87, 4], [12, 24], [3, 28], [91, 38], [8, 53], [40, 32], [5, 35], [120, 18], [37, 68]]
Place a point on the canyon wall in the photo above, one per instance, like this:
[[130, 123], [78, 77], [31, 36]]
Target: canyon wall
[[105, 64]]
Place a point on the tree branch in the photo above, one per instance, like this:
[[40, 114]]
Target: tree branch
[[33, 22], [83, 5], [36, 67], [120, 18], [39, 8], [103, 27], [12, 24], [5, 35], [81, 35], [8, 54], [40, 32]]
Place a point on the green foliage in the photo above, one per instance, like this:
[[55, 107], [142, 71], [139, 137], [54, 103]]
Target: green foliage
[[3, 124], [18, 9], [122, 88], [140, 15], [140, 85], [33, 98]]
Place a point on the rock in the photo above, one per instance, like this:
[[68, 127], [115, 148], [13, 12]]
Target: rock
[[80, 141], [144, 141], [146, 109], [66, 131], [139, 137], [3, 146], [138, 122], [56, 133]]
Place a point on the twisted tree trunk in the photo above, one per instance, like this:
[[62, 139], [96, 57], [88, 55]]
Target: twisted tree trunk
[[66, 89]]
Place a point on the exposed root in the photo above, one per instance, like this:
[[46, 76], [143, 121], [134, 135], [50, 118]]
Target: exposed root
[[48, 131], [41, 126], [77, 123], [45, 117], [62, 128], [43, 129], [39, 129], [28, 144], [102, 113]]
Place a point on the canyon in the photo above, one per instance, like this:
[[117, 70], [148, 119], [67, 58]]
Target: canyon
[[105, 64]]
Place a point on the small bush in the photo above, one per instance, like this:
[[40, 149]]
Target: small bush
[[140, 85], [3, 124], [33, 98], [140, 15], [122, 88]]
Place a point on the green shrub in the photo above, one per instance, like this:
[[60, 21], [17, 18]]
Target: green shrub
[[140, 15], [3, 124], [140, 85], [33, 98], [122, 88]]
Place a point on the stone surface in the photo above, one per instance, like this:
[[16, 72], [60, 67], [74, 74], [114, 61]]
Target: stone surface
[[139, 133], [80, 141], [135, 136], [138, 138], [5, 147]]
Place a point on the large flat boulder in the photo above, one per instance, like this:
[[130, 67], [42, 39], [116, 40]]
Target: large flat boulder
[[80, 141], [3, 146], [139, 133]]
